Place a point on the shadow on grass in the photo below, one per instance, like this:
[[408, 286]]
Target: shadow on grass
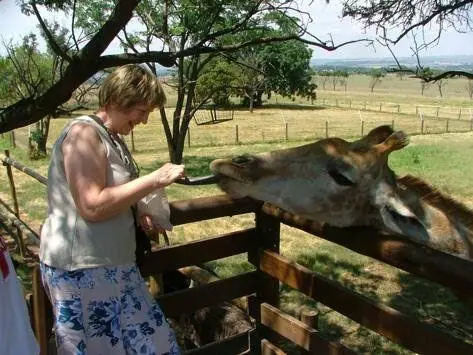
[[434, 304]]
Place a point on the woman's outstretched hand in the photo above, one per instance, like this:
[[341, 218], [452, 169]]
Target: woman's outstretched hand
[[168, 173]]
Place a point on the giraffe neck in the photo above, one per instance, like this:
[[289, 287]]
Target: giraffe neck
[[440, 222]]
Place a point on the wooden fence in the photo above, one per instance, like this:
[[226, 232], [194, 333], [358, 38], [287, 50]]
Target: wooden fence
[[261, 245]]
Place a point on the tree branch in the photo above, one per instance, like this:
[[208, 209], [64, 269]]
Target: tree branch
[[51, 41], [82, 67]]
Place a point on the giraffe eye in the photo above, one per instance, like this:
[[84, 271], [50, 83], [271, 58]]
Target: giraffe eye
[[339, 178], [242, 159]]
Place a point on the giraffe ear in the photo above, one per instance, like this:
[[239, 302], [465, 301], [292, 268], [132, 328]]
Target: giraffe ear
[[378, 135], [395, 205], [399, 218]]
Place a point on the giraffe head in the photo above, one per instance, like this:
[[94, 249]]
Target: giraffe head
[[332, 180]]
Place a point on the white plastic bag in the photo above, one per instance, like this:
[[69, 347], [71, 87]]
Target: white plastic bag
[[156, 205]]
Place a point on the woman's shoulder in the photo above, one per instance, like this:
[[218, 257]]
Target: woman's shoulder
[[82, 130]]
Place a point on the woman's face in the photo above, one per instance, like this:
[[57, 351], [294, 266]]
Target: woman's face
[[123, 121]]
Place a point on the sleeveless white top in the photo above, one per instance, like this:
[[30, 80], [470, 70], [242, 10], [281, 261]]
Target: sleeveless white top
[[67, 240]]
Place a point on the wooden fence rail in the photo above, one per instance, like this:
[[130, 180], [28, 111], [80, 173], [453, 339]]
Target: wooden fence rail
[[261, 286]]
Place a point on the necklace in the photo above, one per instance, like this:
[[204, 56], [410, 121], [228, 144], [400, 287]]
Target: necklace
[[122, 148]]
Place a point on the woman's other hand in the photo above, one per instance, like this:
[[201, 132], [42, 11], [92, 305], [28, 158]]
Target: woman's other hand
[[168, 173]]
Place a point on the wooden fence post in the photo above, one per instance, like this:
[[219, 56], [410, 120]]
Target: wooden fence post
[[16, 209], [12, 139], [42, 313], [268, 237], [460, 113], [446, 125], [398, 108], [237, 140], [310, 317], [287, 131], [188, 137], [437, 113], [422, 126]]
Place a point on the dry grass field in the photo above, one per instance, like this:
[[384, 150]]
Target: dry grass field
[[442, 159]]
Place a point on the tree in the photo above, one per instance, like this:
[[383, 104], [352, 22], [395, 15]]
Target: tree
[[343, 78], [440, 85], [469, 88], [394, 20], [218, 82], [323, 77], [182, 31], [286, 67], [376, 75], [28, 73], [423, 85]]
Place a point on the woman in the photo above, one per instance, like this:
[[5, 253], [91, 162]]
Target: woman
[[101, 303], [16, 335]]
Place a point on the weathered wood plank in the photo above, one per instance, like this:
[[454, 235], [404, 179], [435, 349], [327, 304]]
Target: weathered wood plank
[[12, 223], [174, 257], [299, 333], [268, 348], [203, 208], [213, 293], [24, 169], [394, 325], [445, 269], [42, 312], [235, 344]]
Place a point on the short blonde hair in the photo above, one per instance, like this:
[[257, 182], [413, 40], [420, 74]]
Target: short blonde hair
[[131, 85]]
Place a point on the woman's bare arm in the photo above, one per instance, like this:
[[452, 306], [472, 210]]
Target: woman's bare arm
[[85, 164]]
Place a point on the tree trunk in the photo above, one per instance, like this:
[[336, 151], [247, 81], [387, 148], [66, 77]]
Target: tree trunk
[[42, 142], [251, 103]]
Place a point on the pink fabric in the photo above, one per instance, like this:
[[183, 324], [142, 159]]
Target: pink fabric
[[4, 269]]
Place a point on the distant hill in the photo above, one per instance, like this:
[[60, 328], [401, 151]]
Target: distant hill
[[458, 62]]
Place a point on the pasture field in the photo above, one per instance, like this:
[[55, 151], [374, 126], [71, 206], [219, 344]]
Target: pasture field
[[442, 159]]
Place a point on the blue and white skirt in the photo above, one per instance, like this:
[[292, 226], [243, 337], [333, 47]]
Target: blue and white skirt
[[106, 310]]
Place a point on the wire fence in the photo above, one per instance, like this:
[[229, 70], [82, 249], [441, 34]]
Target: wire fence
[[234, 127]]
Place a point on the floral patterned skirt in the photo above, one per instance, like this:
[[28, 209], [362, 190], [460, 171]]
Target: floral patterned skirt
[[106, 310]]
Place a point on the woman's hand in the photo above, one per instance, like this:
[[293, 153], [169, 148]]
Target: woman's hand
[[167, 174]]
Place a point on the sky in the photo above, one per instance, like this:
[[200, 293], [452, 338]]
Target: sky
[[327, 21]]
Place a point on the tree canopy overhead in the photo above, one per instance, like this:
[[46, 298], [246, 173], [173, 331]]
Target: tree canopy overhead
[[184, 34]]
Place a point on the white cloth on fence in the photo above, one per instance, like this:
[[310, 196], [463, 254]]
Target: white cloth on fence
[[16, 335], [156, 205]]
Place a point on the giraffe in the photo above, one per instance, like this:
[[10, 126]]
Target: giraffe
[[350, 184]]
